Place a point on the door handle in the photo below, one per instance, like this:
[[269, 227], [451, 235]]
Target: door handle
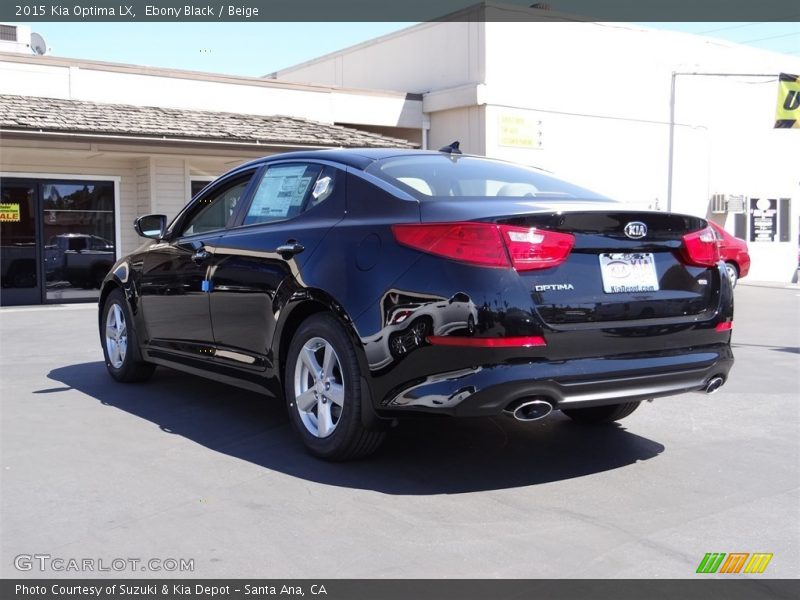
[[289, 249], [200, 255]]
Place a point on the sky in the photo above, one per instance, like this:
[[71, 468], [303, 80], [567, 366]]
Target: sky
[[256, 49]]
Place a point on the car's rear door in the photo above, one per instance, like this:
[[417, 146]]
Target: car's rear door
[[293, 206], [174, 285]]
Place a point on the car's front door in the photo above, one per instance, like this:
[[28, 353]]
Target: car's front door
[[174, 286], [292, 207]]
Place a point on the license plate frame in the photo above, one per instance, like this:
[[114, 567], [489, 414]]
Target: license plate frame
[[628, 272]]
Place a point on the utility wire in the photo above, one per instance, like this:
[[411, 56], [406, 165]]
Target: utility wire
[[772, 37], [740, 25]]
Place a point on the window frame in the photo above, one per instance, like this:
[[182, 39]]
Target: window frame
[[239, 223], [179, 223]]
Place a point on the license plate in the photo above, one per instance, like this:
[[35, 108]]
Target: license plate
[[628, 273]]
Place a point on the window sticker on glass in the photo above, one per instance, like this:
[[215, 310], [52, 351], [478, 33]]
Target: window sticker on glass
[[281, 190]]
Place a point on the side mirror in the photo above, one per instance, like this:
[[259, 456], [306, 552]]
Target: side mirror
[[151, 226]]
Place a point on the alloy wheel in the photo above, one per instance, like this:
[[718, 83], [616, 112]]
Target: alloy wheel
[[319, 387], [116, 336], [733, 274]]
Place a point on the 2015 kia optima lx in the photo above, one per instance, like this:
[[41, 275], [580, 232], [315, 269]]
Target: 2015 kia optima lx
[[361, 285]]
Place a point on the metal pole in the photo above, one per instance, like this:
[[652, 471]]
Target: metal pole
[[671, 140], [675, 74]]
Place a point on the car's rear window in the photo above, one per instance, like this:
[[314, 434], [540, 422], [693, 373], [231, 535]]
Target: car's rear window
[[438, 176]]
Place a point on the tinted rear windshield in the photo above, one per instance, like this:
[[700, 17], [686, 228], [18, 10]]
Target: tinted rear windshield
[[438, 176]]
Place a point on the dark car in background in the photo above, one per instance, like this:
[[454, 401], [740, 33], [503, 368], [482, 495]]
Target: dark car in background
[[365, 285], [80, 259], [733, 251]]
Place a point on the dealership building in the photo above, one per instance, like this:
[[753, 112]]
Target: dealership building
[[653, 118]]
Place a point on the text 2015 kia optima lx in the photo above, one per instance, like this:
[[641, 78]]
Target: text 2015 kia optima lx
[[362, 285]]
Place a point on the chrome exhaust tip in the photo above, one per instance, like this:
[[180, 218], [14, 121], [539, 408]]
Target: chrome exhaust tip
[[713, 384], [531, 410]]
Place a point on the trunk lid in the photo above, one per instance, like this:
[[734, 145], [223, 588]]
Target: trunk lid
[[608, 276]]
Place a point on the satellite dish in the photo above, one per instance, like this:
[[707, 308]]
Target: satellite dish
[[38, 45]]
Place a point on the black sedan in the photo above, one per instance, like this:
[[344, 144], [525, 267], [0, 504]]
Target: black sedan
[[363, 285]]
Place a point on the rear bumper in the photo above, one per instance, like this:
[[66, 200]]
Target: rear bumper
[[577, 383]]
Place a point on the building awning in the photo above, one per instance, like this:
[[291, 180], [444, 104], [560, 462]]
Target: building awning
[[29, 114]]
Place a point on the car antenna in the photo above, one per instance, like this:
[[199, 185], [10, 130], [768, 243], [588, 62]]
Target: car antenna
[[452, 148]]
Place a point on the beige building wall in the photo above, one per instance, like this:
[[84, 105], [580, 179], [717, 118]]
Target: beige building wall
[[466, 125], [148, 180]]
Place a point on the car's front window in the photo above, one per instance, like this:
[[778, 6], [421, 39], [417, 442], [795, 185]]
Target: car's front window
[[214, 211], [438, 176]]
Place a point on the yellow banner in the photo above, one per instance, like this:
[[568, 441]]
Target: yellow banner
[[9, 213], [787, 113]]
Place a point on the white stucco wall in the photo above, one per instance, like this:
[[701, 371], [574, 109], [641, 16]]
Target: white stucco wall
[[144, 86], [425, 57], [599, 93], [602, 95]]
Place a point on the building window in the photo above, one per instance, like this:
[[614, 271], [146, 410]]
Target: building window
[[196, 185], [58, 239]]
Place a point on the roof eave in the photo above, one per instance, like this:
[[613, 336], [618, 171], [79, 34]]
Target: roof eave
[[100, 136]]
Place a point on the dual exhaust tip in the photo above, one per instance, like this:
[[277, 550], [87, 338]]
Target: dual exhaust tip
[[714, 384], [530, 410], [538, 408]]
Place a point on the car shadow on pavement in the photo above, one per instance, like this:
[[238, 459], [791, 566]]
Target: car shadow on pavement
[[422, 456]]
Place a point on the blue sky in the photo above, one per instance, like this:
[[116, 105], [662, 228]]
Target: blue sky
[[256, 49]]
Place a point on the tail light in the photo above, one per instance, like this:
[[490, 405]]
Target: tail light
[[475, 243], [488, 244], [700, 248], [536, 248]]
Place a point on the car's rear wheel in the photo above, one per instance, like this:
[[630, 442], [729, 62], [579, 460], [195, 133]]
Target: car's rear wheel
[[322, 384], [120, 344], [596, 415], [733, 273], [471, 325]]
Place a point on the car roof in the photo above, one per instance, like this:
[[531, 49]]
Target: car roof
[[359, 158]]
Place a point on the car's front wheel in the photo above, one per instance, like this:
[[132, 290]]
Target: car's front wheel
[[322, 385], [596, 415], [120, 346]]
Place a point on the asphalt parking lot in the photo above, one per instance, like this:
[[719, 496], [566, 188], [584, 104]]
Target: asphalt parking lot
[[180, 467]]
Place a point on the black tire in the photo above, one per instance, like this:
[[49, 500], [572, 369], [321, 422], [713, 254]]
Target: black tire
[[131, 367], [599, 415], [471, 325], [349, 438]]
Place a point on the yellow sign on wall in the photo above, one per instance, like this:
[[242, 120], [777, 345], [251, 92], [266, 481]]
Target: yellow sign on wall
[[518, 131], [9, 213], [787, 113]]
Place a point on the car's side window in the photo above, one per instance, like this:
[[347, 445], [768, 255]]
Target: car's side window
[[77, 244], [286, 190], [214, 210]]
